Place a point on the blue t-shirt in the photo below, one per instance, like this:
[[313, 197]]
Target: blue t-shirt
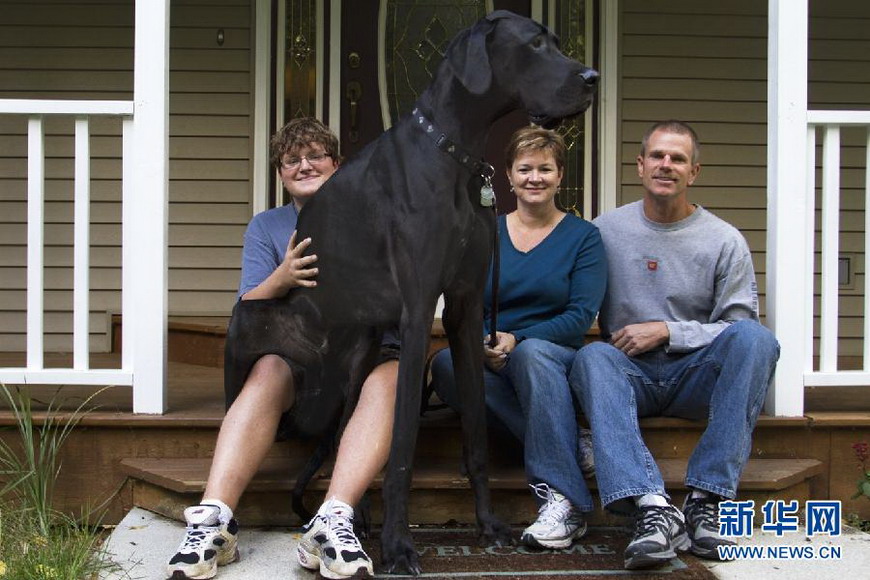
[[553, 291], [265, 244]]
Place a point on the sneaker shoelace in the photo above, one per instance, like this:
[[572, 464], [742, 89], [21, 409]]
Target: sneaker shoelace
[[195, 537], [652, 519], [556, 509], [703, 512], [341, 527]]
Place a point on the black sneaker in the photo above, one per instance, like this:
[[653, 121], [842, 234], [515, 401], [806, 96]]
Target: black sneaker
[[659, 532], [702, 521]]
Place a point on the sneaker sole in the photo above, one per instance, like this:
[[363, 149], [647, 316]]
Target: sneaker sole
[[553, 543], [311, 561], [707, 553], [680, 544]]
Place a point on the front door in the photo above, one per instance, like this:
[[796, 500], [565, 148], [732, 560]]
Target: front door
[[386, 56]]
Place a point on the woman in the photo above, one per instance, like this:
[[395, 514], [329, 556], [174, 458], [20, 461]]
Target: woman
[[552, 279], [305, 154]]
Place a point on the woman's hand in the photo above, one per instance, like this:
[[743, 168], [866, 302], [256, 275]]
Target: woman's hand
[[497, 356]]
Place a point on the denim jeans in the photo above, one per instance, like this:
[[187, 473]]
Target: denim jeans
[[531, 398], [724, 383]]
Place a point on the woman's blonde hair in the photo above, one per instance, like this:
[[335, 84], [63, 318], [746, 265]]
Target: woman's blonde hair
[[533, 138]]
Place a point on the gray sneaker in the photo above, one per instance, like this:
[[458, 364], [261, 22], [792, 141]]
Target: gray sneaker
[[584, 451], [702, 522], [558, 523], [659, 532]]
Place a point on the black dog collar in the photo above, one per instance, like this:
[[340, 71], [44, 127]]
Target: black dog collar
[[444, 143]]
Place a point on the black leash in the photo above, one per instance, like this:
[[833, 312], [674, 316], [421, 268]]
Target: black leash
[[487, 198], [493, 313]]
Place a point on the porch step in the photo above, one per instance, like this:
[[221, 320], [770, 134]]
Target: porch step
[[439, 494]]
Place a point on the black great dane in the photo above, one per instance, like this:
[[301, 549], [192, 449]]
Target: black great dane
[[394, 227]]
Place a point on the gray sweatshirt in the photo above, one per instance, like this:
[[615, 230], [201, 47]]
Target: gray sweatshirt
[[696, 275]]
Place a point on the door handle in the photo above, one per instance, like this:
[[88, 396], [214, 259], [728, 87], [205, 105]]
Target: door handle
[[353, 93]]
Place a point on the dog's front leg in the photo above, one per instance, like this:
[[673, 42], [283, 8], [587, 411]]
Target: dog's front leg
[[398, 554], [463, 323]]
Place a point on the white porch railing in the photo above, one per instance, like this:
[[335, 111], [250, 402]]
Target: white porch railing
[[35, 111], [830, 122], [144, 241], [136, 244]]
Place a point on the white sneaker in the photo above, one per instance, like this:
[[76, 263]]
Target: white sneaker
[[330, 544], [558, 523], [208, 543]]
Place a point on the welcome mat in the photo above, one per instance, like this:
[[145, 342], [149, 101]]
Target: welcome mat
[[455, 554]]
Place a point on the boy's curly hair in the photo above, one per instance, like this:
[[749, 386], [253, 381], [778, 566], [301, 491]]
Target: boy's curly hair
[[302, 132]]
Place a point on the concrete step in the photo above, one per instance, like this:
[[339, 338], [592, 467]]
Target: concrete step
[[143, 542]]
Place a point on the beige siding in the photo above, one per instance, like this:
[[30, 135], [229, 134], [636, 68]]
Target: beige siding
[[706, 63], [72, 50]]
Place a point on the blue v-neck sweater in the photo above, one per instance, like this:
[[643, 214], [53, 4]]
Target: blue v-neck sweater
[[552, 292]]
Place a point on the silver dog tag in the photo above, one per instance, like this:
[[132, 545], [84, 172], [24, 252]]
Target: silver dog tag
[[487, 195]]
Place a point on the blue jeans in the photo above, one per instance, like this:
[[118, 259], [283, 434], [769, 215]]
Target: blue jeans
[[531, 398], [724, 383]]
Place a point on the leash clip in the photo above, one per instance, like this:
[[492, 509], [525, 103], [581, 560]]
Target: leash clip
[[487, 193]]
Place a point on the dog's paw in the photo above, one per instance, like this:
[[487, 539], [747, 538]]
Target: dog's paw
[[495, 533], [400, 557]]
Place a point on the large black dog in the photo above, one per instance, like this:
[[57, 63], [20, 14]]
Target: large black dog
[[396, 226]]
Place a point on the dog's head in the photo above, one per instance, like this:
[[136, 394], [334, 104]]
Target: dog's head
[[521, 58]]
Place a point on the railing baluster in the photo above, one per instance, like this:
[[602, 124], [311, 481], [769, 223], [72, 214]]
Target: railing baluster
[[810, 228], [866, 364], [830, 249], [35, 240], [128, 321], [81, 247]]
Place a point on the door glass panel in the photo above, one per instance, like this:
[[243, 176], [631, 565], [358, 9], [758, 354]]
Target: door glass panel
[[416, 34], [300, 59]]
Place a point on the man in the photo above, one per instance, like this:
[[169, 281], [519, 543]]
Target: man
[[682, 339], [305, 154]]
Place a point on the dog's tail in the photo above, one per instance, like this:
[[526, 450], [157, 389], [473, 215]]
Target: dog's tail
[[324, 449]]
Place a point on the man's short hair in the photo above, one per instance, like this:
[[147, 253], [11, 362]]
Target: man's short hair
[[673, 126]]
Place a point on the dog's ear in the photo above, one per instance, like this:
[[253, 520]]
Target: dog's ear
[[468, 59]]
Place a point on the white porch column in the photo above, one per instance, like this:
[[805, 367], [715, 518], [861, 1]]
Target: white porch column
[[150, 200], [789, 288]]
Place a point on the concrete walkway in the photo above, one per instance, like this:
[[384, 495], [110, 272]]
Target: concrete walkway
[[143, 541]]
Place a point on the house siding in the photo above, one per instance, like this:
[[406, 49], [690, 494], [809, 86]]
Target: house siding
[[706, 63], [84, 50]]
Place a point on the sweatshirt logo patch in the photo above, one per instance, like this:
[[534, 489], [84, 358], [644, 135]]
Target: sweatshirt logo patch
[[652, 265]]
